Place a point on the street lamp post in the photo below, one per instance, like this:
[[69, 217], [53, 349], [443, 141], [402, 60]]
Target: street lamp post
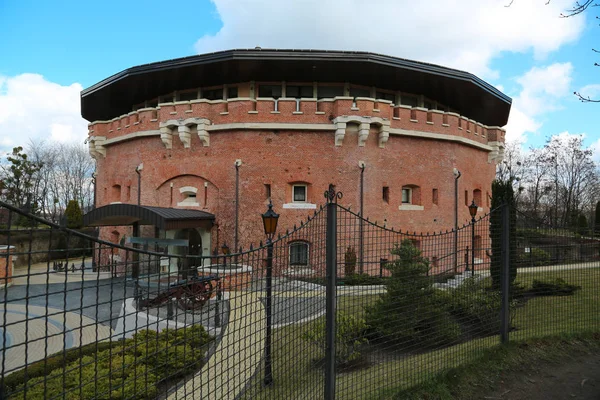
[[226, 251], [457, 175], [473, 212], [270, 219]]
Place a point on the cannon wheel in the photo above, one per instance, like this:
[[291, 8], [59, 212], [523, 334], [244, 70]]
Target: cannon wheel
[[194, 295]]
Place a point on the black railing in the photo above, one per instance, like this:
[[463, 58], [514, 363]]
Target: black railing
[[370, 312]]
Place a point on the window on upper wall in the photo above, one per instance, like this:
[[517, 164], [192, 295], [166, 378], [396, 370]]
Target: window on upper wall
[[273, 91], [327, 92], [299, 193], [408, 100], [434, 196], [299, 254], [268, 190], [212, 94], [406, 195], [188, 95], [386, 194], [466, 197], [299, 91], [232, 92], [360, 92], [411, 194], [386, 96], [190, 199]]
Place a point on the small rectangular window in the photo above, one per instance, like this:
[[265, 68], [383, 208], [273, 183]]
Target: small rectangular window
[[434, 196], [466, 197], [386, 194], [386, 96], [406, 195], [267, 190], [212, 94], [299, 253], [327, 92], [232, 92], [191, 195], [273, 91], [298, 91], [359, 92], [299, 193], [187, 96], [407, 100]]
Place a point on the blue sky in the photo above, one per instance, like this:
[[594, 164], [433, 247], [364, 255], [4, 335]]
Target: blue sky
[[49, 51]]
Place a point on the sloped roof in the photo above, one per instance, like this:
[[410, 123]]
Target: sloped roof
[[161, 217], [462, 91]]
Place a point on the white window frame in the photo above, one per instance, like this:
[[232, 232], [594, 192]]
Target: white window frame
[[189, 201], [305, 193], [409, 191], [307, 246]]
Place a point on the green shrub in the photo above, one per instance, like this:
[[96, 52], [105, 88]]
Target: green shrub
[[349, 261], [349, 336], [73, 215], [411, 311], [129, 369], [363, 279], [477, 306], [536, 257], [556, 287]]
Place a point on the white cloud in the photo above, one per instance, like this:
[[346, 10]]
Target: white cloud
[[542, 90], [464, 34], [33, 108]]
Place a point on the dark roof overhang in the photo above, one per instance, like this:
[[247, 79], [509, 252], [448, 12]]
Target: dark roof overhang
[[462, 91], [161, 217]]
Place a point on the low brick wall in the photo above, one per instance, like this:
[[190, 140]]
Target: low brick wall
[[6, 265], [233, 277]]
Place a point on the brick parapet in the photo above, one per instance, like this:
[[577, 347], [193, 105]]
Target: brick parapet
[[302, 111]]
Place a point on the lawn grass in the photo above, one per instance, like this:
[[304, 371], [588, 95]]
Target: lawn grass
[[295, 375]]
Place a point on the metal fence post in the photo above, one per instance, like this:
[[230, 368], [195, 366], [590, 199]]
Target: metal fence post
[[330, 300], [505, 274]]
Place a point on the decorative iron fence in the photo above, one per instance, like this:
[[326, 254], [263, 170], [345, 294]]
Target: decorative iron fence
[[337, 307]]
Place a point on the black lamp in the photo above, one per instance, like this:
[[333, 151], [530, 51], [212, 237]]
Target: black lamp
[[270, 221], [225, 249], [473, 209]]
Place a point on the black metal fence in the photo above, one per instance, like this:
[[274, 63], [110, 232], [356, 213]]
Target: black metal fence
[[337, 307]]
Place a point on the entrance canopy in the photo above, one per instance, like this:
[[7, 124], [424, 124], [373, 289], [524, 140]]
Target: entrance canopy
[[160, 217]]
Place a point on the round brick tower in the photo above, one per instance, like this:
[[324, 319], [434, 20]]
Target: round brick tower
[[223, 133]]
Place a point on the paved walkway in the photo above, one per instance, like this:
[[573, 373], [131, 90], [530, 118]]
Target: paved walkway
[[30, 334], [39, 274], [237, 356]]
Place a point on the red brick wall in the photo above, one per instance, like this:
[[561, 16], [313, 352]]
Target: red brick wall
[[282, 157]]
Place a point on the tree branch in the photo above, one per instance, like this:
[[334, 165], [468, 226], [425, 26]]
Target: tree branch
[[585, 99]]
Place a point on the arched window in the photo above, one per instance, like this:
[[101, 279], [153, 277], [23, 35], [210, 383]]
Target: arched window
[[299, 254]]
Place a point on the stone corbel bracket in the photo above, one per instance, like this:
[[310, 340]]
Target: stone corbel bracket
[[96, 146], [364, 129], [166, 132], [184, 131], [497, 153]]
